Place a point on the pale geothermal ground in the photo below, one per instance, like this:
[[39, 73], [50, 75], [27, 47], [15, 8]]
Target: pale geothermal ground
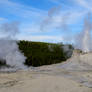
[[75, 75]]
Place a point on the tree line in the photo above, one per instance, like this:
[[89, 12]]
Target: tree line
[[40, 53]]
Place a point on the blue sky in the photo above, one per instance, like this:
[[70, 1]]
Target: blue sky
[[46, 20]]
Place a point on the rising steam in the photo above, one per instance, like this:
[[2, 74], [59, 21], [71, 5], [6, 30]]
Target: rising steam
[[9, 51], [83, 40], [46, 23]]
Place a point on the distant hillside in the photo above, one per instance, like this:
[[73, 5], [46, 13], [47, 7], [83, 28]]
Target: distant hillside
[[40, 53]]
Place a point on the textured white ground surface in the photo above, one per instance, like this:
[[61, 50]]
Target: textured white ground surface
[[75, 75]]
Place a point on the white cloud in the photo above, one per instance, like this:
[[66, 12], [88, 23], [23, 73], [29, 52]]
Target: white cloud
[[20, 10], [41, 38], [87, 4], [2, 19], [31, 28], [69, 16], [62, 19]]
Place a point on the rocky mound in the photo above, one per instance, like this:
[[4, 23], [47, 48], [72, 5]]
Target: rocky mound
[[78, 61]]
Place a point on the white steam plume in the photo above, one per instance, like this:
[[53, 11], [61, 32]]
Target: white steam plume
[[46, 23], [84, 41], [9, 51]]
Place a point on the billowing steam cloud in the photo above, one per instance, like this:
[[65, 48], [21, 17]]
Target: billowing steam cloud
[[46, 23], [9, 51], [84, 41]]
